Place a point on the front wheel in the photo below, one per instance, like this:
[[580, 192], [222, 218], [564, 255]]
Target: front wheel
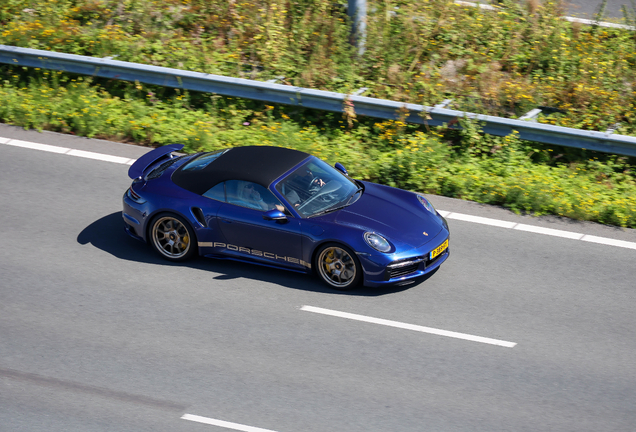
[[172, 237], [338, 267]]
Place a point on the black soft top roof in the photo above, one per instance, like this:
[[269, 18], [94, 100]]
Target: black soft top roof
[[258, 164]]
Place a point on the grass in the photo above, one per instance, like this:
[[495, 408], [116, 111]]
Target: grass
[[499, 63]]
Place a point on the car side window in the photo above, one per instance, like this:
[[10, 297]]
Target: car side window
[[251, 195], [217, 192]]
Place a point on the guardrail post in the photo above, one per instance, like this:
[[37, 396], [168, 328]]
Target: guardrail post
[[531, 115], [275, 80], [444, 104], [357, 11]]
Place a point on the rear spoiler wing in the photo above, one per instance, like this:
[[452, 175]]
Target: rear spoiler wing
[[141, 165]]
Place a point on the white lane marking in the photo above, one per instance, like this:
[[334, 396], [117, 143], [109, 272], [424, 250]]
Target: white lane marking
[[37, 146], [446, 214], [99, 156], [406, 326], [68, 151], [609, 242], [222, 423], [481, 220], [538, 230], [548, 231]]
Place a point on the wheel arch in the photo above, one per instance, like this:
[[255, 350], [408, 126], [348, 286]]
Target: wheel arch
[[151, 218], [318, 245], [358, 278]]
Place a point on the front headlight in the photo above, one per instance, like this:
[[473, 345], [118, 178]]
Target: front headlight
[[426, 203], [377, 242]]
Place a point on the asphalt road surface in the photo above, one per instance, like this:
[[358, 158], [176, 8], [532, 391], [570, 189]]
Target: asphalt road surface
[[99, 334], [589, 8]]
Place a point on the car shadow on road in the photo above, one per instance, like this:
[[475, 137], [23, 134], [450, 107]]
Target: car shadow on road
[[108, 235]]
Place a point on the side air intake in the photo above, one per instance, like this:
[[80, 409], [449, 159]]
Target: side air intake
[[198, 214]]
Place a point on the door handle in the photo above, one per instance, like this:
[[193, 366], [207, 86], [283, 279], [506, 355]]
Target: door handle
[[226, 221]]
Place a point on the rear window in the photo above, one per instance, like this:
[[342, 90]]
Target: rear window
[[204, 160]]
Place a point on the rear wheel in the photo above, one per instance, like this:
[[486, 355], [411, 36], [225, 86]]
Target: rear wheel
[[338, 266], [172, 237]]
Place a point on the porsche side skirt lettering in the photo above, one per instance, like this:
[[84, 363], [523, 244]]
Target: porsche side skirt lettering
[[255, 252]]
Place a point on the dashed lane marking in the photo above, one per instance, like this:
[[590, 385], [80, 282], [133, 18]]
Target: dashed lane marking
[[223, 423], [449, 215], [406, 326]]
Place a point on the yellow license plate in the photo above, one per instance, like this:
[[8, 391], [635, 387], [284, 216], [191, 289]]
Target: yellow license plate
[[438, 250]]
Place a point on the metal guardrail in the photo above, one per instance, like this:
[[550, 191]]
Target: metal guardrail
[[309, 98]]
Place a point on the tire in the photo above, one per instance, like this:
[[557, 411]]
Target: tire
[[338, 266], [172, 237]]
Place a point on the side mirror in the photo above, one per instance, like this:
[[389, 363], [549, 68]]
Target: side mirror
[[341, 168], [275, 215]]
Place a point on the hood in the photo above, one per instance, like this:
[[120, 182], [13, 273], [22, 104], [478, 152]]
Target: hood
[[394, 213]]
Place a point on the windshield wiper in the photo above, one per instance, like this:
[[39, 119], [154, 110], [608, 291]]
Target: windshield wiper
[[350, 200], [329, 210], [333, 209]]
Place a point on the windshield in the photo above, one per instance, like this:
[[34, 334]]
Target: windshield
[[316, 188]]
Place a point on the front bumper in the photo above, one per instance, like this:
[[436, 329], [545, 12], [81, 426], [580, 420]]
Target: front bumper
[[405, 268]]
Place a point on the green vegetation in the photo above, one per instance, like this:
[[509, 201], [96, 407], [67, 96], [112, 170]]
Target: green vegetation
[[499, 63]]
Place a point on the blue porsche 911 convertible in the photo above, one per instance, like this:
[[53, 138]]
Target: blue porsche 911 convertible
[[282, 208]]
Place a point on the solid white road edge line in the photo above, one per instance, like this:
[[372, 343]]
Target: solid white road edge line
[[610, 242], [99, 156], [37, 146], [68, 151], [222, 423], [406, 326], [538, 230], [446, 214]]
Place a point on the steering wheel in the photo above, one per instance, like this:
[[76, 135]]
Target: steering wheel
[[327, 189], [314, 184]]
